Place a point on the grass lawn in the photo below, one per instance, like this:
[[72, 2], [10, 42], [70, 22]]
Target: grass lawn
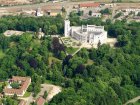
[[27, 94], [48, 82], [53, 59], [4, 83], [89, 62], [71, 50], [137, 103], [1, 83], [1, 54]]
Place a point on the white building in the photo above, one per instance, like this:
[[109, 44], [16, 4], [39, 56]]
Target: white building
[[135, 10], [94, 14], [86, 34], [39, 12]]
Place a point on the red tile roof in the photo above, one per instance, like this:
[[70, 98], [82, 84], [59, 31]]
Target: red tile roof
[[25, 82], [40, 101], [89, 5]]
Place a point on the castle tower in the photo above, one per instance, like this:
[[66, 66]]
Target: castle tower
[[67, 28]]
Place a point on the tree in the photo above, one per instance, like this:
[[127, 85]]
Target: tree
[[45, 95], [57, 47], [53, 30], [80, 69], [106, 11], [33, 63], [15, 96], [118, 15], [80, 13], [15, 85], [138, 14], [90, 13], [63, 9]]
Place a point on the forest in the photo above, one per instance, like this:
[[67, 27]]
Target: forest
[[112, 78]]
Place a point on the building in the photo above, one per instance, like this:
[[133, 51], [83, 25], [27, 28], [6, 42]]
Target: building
[[24, 84], [40, 101], [95, 14], [135, 10], [54, 12], [89, 5], [39, 12], [86, 34]]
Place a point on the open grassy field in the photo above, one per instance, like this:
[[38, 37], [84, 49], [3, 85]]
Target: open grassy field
[[71, 50], [53, 59], [89, 62], [137, 103]]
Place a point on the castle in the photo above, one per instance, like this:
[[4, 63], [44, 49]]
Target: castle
[[86, 34]]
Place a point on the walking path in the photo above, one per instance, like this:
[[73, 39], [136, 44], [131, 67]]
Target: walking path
[[132, 100], [77, 51]]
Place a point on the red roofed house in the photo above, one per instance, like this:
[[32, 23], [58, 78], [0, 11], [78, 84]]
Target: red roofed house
[[24, 84], [40, 101], [89, 5]]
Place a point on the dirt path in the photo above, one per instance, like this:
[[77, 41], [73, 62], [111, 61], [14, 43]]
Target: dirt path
[[29, 99], [51, 89], [132, 100]]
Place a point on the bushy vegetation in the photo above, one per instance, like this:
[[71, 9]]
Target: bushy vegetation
[[112, 79], [49, 25], [106, 11], [15, 85]]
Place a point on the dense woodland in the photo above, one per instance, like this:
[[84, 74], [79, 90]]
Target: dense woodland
[[112, 78]]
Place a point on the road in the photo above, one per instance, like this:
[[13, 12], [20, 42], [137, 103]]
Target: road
[[132, 100]]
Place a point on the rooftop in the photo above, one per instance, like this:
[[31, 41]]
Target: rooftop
[[40, 101], [25, 82], [89, 5]]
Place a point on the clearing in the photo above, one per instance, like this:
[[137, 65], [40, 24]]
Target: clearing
[[51, 89], [71, 50], [53, 60]]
